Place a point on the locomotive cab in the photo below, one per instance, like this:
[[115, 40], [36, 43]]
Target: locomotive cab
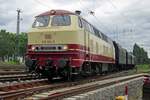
[[54, 43]]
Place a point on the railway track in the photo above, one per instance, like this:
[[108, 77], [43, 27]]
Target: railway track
[[12, 69], [12, 72], [18, 77], [15, 75], [30, 89], [72, 91]]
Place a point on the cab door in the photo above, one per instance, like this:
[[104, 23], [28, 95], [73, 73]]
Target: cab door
[[87, 40], [87, 45], [83, 25]]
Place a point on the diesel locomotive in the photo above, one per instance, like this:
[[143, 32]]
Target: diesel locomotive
[[63, 44]]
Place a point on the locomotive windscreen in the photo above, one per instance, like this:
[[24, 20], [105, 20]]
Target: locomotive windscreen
[[41, 21], [61, 20]]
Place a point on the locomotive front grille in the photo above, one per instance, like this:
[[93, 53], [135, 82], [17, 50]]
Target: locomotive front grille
[[47, 48]]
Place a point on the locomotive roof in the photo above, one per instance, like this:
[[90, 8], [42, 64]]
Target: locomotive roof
[[57, 12]]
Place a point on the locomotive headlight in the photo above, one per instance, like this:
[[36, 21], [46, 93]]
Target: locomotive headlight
[[33, 48], [65, 47]]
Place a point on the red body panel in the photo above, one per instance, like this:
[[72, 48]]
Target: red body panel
[[57, 12], [75, 53]]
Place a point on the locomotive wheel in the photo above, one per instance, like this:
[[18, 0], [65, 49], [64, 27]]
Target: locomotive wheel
[[49, 75], [68, 76], [71, 77], [50, 78], [100, 69], [86, 69], [95, 69]]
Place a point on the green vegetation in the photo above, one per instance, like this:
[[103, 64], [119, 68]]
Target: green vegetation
[[9, 63], [8, 46], [11, 66], [141, 59], [143, 68], [141, 56]]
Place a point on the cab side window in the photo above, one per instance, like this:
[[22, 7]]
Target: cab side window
[[80, 22]]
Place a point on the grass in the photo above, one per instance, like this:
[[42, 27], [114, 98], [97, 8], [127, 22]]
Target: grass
[[11, 65], [145, 68]]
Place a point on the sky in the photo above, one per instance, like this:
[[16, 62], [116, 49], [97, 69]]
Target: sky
[[126, 21]]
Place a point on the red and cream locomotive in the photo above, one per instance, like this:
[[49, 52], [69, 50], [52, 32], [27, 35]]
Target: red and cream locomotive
[[63, 44]]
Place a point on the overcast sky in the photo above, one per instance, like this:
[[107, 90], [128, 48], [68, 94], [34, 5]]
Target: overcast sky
[[126, 21]]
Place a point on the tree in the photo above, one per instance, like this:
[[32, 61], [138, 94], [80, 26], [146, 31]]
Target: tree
[[22, 44], [140, 54], [8, 44], [4, 44]]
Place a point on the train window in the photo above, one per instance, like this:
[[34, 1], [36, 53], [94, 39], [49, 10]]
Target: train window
[[79, 22], [109, 40], [96, 32], [104, 37], [85, 25], [61, 20], [100, 34], [88, 27], [91, 29], [41, 21]]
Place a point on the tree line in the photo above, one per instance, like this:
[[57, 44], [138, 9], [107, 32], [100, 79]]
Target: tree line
[[8, 45], [141, 56]]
